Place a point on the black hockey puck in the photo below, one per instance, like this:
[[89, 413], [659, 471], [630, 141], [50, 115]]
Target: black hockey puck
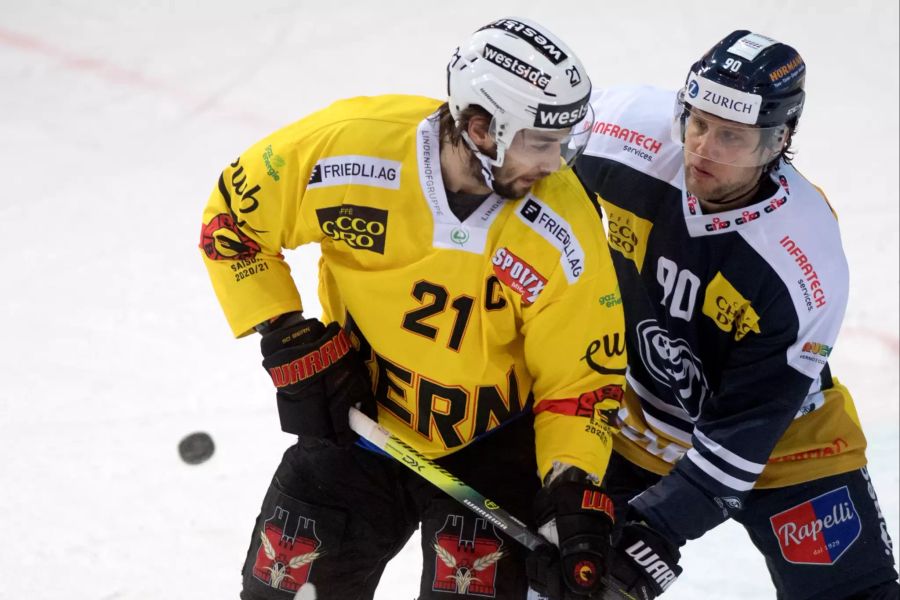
[[196, 448]]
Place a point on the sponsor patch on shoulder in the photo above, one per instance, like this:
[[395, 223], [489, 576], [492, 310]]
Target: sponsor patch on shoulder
[[352, 169], [518, 275], [222, 239], [818, 531], [553, 228]]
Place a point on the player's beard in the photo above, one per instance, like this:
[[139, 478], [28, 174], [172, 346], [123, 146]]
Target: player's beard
[[716, 191], [510, 188]]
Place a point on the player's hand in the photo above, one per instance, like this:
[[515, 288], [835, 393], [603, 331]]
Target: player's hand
[[641, 565], [318, 376], [577, 517]]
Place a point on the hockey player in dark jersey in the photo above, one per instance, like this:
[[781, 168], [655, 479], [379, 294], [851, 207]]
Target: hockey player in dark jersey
[[734, 285]]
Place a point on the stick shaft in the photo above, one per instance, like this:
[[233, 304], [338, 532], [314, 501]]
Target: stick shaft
[[425, 468]]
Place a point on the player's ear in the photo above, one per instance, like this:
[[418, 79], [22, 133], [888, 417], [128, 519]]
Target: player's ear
[[478, 129]]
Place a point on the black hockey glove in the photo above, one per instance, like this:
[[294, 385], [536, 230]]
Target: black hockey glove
[[318, 376], [578, 517], [642, 564]]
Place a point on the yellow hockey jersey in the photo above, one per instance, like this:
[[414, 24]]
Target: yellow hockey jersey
[[463, 324]]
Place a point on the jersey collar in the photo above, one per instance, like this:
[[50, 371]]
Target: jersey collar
[[449, 232], [700, 224]]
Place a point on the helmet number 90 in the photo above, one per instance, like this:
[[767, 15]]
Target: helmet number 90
[[732, 65]]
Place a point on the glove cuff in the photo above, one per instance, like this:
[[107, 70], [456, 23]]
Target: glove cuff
[[678, 509], [563, 473], [278, 322], [573, 492], [287, 331]]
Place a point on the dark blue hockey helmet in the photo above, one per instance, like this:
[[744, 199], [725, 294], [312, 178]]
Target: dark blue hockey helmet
[[749, 78]]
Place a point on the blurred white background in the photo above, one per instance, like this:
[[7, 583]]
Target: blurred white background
[[115, 120]]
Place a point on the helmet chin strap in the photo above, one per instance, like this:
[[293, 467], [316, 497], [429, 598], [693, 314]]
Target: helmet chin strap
[[487, 163]]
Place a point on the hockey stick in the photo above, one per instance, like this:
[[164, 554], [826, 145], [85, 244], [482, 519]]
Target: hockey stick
[[456, 489], [393, 446], [402, 452]]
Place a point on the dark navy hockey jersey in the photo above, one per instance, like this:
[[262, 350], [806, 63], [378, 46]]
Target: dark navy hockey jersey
[[730, 318]]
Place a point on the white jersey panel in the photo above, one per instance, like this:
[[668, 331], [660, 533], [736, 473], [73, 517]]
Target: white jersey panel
[[802, 247], [627, 128]]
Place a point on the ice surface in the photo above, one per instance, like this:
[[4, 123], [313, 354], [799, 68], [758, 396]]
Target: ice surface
[[115, 120]]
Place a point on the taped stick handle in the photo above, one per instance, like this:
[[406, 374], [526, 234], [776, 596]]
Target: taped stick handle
[[456, 489]]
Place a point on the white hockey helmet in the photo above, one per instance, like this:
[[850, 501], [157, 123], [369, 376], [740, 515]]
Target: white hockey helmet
[[526, 78]]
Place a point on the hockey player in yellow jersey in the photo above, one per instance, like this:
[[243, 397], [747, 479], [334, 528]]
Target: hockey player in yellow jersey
[[468, 305]]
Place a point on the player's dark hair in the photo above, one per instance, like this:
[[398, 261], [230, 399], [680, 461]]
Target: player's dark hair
[[451, 129], [786, 154]]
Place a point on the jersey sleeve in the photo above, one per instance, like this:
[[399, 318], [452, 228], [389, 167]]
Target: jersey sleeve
[[575, 348], [255, 211]]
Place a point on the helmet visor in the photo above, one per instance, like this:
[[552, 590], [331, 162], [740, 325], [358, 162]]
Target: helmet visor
[[556, 148], [725, 142]]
